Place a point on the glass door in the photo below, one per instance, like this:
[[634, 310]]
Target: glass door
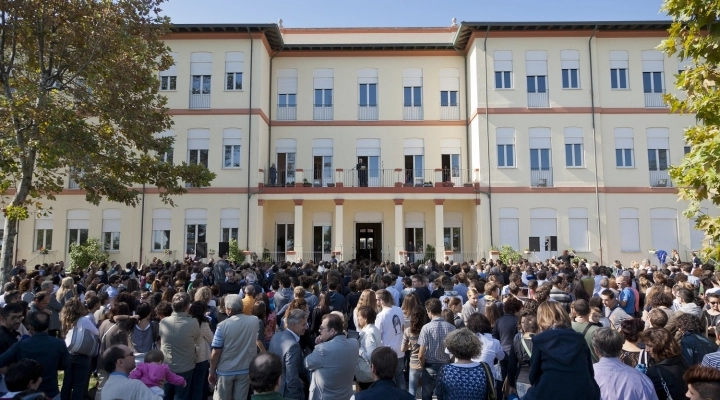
[[286, 169], [322, 239]]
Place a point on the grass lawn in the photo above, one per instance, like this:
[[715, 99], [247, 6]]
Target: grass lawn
[[61, 376]]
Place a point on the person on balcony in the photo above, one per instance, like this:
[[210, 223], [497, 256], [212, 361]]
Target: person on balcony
[[362, 173], [273, 175]]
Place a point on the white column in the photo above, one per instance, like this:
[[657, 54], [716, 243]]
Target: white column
[[399, 232], [439, 227], [479, 244], [259, 224], [339, 229], [298, 229]]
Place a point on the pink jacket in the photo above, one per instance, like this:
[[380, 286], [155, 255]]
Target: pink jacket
[[156, 374]]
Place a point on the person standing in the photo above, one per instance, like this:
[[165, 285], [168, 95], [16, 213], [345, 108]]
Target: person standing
[[265, 374], [233, 347], [273, 175], [332, 362], [362, 173], [666, 374], [431, 353], [77, 377], [178, 334], [389, 322], [119, 362], [286, 345], [411, 251], [219, 269], [382, 366]]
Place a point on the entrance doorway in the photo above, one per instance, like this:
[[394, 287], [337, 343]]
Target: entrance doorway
[[368, 241]]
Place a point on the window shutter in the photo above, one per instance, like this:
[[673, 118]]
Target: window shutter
[[234, 61], [619, 59], [502, 60]]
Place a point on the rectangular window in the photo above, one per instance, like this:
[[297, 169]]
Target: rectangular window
[[540, 159], [573, 155], [161, 240], [285, 237], [229, 233], [624, 158], [570, 79], [287, 100], [233, 80], [231, 157], [506, 155], [448, 98], [619, 78], [167, 156], [453, 239], [168, 83], [624, 148], [76, 236], [412, 96], [502, 60], [198, 157], [234, 67], [570, 68], [111, 241], [195, 233], [686, 150], [43, 239], [658, 159], [323, 97], [537, 84], [652, 82], [201, 84], [368, 94]]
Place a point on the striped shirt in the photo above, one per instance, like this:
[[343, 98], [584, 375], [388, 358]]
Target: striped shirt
[[712, 360], [432, 336]]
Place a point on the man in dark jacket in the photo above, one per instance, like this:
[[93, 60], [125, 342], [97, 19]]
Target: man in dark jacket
[[420, 288], [383, 363], [337, 301]]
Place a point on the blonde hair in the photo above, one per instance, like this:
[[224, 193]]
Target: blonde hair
[[203, 294], [71, 312], [367, 298], [551, 314], [67, 285]]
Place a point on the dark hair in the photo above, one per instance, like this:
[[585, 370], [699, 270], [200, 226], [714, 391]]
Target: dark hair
[[705, 381], [384, 360], [111, 356], [39, 321], [265, 370], [512, 306], [607, 342], [11, 308], [20, 374], [581, 307], [334, 322], [40, 296], [433, 306], [631, 328], [685, 295], [197, 310], [478, 323], [658, 318], [688, 323], [368, 313], [418, 319], [259, 310], [609, 293], [661, 299], [663, 343], [164, 309], [154, 355]]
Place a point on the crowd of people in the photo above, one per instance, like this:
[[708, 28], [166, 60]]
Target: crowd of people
[[560, 329]]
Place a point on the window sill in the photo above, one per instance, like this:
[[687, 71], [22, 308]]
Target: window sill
[[158, 251], [232, 168], [631, 167], [168, 90], [504, 89], [571, 88], [508, 167], [234, 90], [573, 167], [620, 89]]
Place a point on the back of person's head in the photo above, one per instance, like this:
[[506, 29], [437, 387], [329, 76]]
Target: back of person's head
[[21, 374], [528, 322], [463, 344], [607, 342], [180, 302], [705, 381], [658, 318], [334, 322], [685, 295], [581, 307], [154, 356], [433, 306], [384, 362], [479, 323], [111, 356], [664, 344], [688, 323], [631, 328], [40, 296], [39, 321], [265, 372], [552, 314]]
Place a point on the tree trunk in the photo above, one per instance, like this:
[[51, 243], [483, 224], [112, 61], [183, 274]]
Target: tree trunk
[[8, 248]]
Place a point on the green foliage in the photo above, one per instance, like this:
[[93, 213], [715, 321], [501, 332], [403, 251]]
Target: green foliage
[[79, 99], [266, 257], [235, 254], [82, 255], [508, 254], [429, 253], [695, 35]]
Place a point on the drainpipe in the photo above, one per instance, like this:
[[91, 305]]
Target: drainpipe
[[487, 135], [592, 108], [249, 195], [270, 108], [142, 224]]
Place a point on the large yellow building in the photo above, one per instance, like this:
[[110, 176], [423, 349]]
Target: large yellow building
[[370, 142]]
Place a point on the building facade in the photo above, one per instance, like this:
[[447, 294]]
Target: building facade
[[379, 142]]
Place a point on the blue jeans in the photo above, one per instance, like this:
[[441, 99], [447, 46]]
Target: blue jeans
[[414, 379], [429, 373], [399, 375], [173, 392], [77, 378], [199, 380]]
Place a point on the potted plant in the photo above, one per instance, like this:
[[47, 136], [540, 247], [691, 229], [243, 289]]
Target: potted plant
[[290, 183], [428, 184], [468, 184], [494, 252], [330, 185], [306, 183], [43, 250], [651, 251], [527, 251], [448, 183]]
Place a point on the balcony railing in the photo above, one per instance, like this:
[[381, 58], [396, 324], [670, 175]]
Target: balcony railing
[[538, 100], [460, 256], [199, 100], [322, 177], [72, 184], [413, 113], [654, 100], [283, 178], [287, 113], [660, 179], [370, 178], [323, 113], [541, 177], [367, 113], [449, 113]]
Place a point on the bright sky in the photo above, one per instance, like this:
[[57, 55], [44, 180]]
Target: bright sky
[[406, 13]]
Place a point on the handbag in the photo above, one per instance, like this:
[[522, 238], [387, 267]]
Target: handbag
[[642, 366], [664, 385], [83, 342], [492, 394], [362, 371]]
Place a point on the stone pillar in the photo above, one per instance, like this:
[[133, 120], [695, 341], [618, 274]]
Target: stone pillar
[[338, 228], [259, 233], [439, 230], [298, 229], [399, 231]]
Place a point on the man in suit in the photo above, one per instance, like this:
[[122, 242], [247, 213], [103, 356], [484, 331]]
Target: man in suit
[[333, 362], [285, 344]]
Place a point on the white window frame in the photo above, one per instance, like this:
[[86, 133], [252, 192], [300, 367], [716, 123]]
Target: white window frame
[[503, 64], [168, 78], [111, 229], [161, 232], [619, 66], [505, 138], [232, 141], [574, 139], [570, 61], [624, 141], [234, 66]]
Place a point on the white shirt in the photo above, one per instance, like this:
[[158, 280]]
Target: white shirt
[[390, 324]]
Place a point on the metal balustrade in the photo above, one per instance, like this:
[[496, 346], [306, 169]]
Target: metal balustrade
[[660, 179], [541, 177], [323, 113], [450, 113], [286, 113], [199, 101], [538, 100], [367, 113], [654, 100], [413, 113]]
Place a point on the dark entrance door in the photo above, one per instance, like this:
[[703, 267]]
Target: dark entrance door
[[368, 241]]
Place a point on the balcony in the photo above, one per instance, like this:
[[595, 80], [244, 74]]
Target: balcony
[[322, 177], [654, 100], [538, 100], [414, 113], [72, 184], [541, 177], [388, 178], [323, 113], [660, 179], [449, 113], [288, 113], [199, 101], [370, 178], [367, 113]]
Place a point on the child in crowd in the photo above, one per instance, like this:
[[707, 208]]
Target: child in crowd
[[153, 373], [22, 380]]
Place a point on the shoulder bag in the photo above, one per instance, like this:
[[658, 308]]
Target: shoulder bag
[[492, 394], [83, 342]]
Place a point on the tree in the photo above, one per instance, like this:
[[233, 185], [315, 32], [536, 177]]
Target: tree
[[79, 99], [234, 253], [695, 35], [81, 255]]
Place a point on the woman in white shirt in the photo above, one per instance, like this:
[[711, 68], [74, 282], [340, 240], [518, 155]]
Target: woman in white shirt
[[72, 318], [491, 348], [370, 337]]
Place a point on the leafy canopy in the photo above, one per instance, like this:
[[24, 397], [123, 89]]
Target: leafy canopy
[[695, 35]]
